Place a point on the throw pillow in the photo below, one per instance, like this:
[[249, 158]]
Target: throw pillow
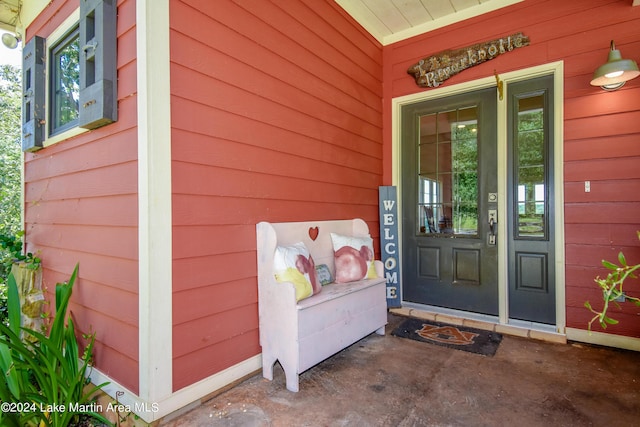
[[294, 264], [353, 258], [324, 274]]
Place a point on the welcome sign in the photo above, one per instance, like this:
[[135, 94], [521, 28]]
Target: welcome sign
[[432, 71], [388, 199]]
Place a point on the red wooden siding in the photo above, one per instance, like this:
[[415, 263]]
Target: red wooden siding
[[276, 116], [601, 130], [81, 207]]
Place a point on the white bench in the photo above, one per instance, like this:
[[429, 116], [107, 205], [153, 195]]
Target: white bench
[[301, 334]]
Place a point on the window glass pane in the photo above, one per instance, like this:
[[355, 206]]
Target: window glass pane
[[448, 177], [65, 82], [531, 167], [465, 173]]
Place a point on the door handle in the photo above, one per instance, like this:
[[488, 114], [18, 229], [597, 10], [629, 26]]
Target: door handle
[[493, 216]]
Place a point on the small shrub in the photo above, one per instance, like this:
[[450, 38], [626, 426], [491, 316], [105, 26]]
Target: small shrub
[[46, 380]]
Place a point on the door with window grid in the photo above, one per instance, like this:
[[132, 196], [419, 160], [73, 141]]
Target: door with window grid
[[450, 202], [449, 192]]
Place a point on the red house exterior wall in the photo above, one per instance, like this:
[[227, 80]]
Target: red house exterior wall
[[81, 207], [280, 111], [601, 129], [276, 116]]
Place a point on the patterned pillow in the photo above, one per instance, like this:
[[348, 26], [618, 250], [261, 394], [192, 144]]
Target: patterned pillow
[[294, 264], [324, 274], [353, 258]]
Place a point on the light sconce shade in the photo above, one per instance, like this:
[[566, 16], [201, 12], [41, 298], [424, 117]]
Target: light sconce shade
[[10, 41], [615, 72]]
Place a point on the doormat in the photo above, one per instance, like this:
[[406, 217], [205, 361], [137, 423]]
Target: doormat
[[457, 337]]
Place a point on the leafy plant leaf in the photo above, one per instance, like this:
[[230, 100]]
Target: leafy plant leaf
[[621, 259], [13, 304], [10, 374]]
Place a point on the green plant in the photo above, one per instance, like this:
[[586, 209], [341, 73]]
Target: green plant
[[11, 253], [10, 149], [47, 380], [12, 246], [10, 165], [612, 290]]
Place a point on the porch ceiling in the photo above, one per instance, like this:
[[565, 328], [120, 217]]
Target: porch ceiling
[[9, 11], [394, 20]]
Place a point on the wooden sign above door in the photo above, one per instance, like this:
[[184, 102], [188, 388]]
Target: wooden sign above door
[[432, 71]]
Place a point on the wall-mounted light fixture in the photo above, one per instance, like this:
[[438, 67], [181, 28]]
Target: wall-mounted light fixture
[[615, 72], [10, 41]]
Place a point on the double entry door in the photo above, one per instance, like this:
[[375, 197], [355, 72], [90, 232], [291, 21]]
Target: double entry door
[[451, 209]]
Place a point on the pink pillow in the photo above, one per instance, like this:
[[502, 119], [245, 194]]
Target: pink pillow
[[353, 258]]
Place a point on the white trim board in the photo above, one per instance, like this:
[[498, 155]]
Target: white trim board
[[188, 397], [155, 362], [601, 338]]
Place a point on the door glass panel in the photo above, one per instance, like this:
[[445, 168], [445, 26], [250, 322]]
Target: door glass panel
[[448, 172], [531, 218]]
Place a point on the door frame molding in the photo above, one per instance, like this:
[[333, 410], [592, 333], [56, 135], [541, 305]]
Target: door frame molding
[[557, 70]]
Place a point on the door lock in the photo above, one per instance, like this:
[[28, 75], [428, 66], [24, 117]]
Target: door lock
[[493, 215]]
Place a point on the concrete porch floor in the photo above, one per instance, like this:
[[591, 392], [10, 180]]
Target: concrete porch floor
[[391, 381]]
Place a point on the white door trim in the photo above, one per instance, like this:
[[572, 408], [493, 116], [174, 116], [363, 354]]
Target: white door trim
[[557, 70]]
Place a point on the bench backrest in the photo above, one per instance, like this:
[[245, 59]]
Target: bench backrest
[[271, 235]]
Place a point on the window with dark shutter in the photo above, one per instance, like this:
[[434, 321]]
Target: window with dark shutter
[[78, 61]]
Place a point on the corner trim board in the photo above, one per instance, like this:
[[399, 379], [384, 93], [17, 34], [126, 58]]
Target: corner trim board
[[155, 361]]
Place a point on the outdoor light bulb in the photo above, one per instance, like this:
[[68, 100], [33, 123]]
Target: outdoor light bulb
[[614, 74], [612, 86], [10, 41]]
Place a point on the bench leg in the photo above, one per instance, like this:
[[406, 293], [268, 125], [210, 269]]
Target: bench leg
[[292, 379], [267, 366], [380, 331]]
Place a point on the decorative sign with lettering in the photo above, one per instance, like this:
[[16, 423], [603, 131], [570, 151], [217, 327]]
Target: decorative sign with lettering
[[432, 71], [389, 243]]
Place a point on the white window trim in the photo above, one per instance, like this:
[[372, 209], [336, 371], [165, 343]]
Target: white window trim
[[72, 20]]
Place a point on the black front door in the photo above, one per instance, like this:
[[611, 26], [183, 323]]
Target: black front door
[[449, 202]]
